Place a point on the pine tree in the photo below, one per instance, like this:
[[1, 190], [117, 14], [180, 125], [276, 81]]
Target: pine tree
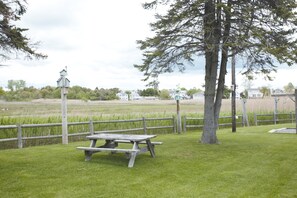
[[12, 38], [260, 32]]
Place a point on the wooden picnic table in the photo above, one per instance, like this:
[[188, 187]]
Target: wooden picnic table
[[112, 141]]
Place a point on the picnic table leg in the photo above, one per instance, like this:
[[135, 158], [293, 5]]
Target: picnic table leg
[[93, 143], [109, 144], [150, 148], [133, 155], [88, 154]]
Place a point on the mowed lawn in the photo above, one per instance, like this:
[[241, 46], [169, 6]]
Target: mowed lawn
[[248, 163]]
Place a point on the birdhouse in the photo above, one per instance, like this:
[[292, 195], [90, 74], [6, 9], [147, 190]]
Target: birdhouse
[[63, 82], [66, 83], [177, 95], [63, 73]]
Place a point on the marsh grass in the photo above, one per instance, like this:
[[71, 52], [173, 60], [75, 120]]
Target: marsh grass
[[96, 108], [248, 163]]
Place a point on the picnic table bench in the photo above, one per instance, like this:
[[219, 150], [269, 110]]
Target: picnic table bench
[[112, 141]]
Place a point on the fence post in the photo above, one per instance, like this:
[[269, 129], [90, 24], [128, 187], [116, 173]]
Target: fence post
[[275, 110], [91, 127], [185, 123], [20, 141], [144, 125], [178, 117], [255, 118], [174, 124], [242, 120]]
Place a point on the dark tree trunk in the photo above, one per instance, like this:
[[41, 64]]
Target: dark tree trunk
[[213, 97], [211, 65]]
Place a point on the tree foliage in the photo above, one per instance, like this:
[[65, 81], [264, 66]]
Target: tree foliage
[[261, 32], [193, 91], [289, 88], [164, 94], [2, 92], [19, 92], [149, 92], [15, 85], [265, 91], [13, 39], [227, 92], [106, 94]]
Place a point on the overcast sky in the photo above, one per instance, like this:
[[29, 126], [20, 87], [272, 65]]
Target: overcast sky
[[96, 40]]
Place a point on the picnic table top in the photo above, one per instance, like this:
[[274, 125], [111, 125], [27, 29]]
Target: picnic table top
[[130, 137]]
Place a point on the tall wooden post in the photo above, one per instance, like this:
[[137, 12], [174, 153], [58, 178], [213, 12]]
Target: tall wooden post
[[275, 110], [233, 100], [244, 113], [20, 138], [177, 98], [64, 83], [178, 117], [64, 115]]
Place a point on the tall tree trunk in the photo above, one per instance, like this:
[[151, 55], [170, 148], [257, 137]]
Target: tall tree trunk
[[211, 65], [213, 97], [210, 126], [224, 60]]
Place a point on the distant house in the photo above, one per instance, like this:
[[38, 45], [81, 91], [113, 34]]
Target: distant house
[[125, 97], [198, 96], [254, 93], [135, 96]]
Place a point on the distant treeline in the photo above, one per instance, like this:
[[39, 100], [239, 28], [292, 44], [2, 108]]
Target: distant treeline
[[18, 91], [49, 92]]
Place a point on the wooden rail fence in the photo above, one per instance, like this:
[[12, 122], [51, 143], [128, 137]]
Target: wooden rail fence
[[23, 132], [145, 127], [274, 118], [197, 123]]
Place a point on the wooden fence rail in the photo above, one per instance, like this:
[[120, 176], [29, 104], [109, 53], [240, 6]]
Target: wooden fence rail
[[22, 132], [190, 123], [274, 118], [20, 137]]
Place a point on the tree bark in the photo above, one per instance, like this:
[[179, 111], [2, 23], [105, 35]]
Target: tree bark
[[213, 97], [211, 65]]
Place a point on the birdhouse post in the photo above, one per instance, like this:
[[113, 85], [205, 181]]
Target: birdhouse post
[[64, 84]]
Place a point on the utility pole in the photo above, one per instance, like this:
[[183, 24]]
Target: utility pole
[[177, 98], [233, 99]]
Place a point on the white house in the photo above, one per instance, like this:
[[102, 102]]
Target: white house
[[123, 96], [133, 96], [198, 96], [254, 93]]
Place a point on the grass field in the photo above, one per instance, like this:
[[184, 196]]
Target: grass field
[[95, 108], [248, 163]]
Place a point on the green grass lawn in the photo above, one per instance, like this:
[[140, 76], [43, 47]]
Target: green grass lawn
[[248, 163]]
